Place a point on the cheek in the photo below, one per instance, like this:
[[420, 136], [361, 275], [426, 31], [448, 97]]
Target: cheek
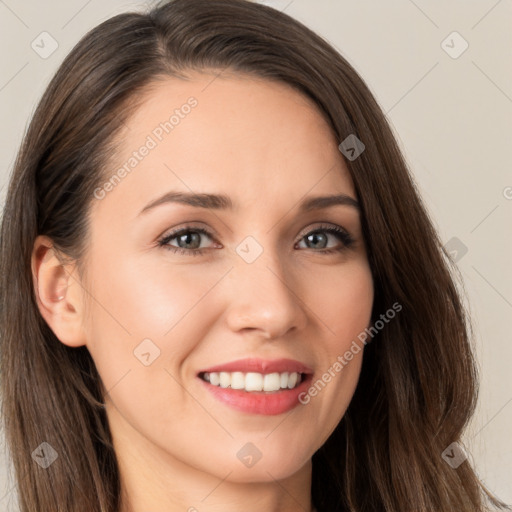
[[141, 297], [342, 301], [134, 299]]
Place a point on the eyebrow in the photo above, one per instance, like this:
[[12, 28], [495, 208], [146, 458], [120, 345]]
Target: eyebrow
[[222, 202]]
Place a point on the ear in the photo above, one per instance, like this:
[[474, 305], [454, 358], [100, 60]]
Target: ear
[[58, 293]]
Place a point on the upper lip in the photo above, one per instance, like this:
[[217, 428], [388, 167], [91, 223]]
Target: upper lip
[[262, 366]]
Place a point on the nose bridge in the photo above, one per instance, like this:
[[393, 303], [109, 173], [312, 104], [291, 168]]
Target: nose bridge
[[263, 292]]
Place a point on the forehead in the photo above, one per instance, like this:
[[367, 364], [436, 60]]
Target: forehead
[[239, 135]]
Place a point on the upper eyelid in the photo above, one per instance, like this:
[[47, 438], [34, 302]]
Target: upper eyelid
[[184, 229]]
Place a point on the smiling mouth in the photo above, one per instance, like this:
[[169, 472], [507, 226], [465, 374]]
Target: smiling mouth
[[253, 382]]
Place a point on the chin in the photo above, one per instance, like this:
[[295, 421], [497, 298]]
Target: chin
[[269, 470]]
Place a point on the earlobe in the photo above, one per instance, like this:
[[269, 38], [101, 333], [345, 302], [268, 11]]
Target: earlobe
[[58, 293]]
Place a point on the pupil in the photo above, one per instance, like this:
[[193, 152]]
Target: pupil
[[188, 236], [314, 237]]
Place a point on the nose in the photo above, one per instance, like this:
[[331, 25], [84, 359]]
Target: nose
[[264, 297]]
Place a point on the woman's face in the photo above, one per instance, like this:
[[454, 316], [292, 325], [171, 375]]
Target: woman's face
[[258, 285]]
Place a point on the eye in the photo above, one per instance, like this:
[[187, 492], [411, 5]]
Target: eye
[[188, 240], [318, 238]]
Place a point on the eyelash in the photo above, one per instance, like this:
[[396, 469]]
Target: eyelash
[[340, 233]]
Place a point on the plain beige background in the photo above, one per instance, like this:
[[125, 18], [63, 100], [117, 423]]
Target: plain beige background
[[450, 107]]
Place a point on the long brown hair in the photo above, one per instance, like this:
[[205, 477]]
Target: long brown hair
[[417, 388]]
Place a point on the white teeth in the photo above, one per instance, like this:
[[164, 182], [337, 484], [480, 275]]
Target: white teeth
[[214, 378], [225, 379], [237, 380], [271, 382], [292, 380], [253, 381]]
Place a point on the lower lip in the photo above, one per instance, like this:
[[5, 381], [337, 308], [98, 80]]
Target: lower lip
[[259, 402]]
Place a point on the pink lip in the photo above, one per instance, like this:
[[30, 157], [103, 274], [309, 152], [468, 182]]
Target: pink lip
[[260, 402], [260, 366]]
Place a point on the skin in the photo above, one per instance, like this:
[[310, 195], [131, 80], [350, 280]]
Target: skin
[[267, 147]]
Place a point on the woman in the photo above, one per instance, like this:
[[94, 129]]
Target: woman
[[185, 343]]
